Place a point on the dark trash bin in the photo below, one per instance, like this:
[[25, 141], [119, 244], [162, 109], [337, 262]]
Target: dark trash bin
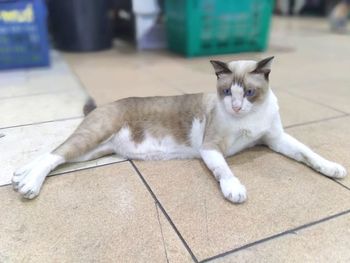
[[80, 25]]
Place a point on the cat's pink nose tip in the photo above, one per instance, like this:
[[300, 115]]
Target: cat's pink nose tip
[[236, 109]]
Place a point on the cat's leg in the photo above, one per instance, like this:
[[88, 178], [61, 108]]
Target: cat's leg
[[101, 150], [29, 179], [283, 143], [89, 141], [231, 187]]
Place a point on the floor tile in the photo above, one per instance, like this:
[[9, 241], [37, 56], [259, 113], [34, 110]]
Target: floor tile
[[30, 82], [295, 110], [330, 139], [282, 194], [314, 82], [23, 144], [175, 249], [69, 167], [185, 75], [109, 84], [99, 215], [40, 108], [325, 242], [317, 69], [111, 78]]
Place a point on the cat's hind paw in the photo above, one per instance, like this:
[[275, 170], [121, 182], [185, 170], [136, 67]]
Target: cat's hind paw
[[333, 170], [233, 190]]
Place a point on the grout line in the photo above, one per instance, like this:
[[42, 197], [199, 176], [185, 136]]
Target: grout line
[[291, 231], [90, 167], [314, 101], [161, 231], [336, 181], [42, 122], [34, 94], [316, 121], [164, 212], [78, 170]]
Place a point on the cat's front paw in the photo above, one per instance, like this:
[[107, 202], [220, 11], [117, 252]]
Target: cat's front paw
[[333, 170], [233, 190]]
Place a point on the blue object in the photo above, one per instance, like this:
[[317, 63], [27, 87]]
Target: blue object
[[23, 34]]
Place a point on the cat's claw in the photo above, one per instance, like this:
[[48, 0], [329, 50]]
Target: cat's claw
[[233, 190], [333, 170]]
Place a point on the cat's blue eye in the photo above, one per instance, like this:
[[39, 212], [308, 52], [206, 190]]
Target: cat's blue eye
[[250, 92], [227, 91]]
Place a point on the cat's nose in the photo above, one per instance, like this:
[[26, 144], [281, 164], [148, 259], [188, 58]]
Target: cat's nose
[[237, 109]]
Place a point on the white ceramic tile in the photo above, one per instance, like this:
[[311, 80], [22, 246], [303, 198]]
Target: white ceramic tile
[[90, 164], [20, 145], [56, 78], [45, 107]]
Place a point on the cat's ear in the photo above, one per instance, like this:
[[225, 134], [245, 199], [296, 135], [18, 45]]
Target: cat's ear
[[220, 67], [264, 67]]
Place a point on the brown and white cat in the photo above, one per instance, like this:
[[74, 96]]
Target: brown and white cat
[[242, 113]]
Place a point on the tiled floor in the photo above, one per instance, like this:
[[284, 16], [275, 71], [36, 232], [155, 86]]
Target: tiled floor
[[115, 210]]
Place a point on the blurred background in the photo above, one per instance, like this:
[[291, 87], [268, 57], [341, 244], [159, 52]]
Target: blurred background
[[29, 29]]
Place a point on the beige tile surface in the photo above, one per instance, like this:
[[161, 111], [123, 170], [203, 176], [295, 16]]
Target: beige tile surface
[[295, 110], [69, 167], [318, 67], [99, 215], [175, 249], [30, 82], [40, 108], [186, 75], [330, 139], [109, 76], [282, 194], [20, 145], [326, 242], [112, 83]]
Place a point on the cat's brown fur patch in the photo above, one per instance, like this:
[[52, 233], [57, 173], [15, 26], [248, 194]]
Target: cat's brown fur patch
[[156, 116], [246, 81]]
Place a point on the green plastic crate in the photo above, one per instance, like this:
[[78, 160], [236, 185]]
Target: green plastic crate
[[204, 27]]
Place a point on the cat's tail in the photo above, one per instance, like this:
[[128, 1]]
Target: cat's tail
[[89, 106]]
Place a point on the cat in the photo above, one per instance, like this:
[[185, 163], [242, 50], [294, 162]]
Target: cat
[[242, 113]]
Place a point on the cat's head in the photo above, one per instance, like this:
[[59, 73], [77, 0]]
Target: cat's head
[[242, 85]]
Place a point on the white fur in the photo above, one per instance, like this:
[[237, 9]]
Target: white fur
[[151, 148], [231, 187], [237, 105], [197, 133], [285, 144], [232, 190], [242, 132], [29, 179]]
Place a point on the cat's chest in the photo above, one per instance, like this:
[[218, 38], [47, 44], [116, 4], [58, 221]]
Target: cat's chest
[[244, 135]]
